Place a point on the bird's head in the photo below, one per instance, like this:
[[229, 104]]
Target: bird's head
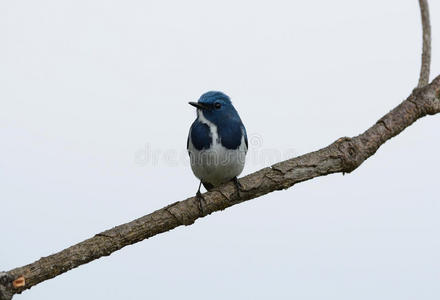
[[215, 106]]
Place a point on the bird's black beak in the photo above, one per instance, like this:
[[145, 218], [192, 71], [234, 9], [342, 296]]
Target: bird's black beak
[[198, 105]]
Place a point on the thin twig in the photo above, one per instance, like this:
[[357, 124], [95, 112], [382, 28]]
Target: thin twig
[[426, 50]]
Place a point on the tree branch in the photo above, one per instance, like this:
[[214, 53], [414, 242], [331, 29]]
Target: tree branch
[[342, 156], [426, 50]]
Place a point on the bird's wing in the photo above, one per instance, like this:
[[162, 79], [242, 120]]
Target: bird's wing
[[243, 129], [200, 136]]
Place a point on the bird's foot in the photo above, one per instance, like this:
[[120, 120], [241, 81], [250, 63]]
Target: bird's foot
[[200, 199], [238, 185]]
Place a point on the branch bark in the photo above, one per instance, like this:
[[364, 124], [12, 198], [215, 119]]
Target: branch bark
[[342, 156]]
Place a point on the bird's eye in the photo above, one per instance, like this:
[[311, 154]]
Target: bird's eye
[[217, 105]]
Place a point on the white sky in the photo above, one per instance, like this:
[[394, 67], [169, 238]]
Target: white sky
[[89, 90]]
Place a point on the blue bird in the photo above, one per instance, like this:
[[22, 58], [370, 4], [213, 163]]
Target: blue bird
[[217, 142]]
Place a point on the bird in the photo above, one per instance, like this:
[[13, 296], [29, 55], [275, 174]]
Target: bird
[[217, 141]]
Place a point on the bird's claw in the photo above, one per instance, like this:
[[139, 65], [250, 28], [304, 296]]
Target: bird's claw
[[200, 199], [238, 185]]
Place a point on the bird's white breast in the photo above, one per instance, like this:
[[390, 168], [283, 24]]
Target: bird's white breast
[[217, 164]]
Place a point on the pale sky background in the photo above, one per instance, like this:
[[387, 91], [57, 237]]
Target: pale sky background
[[90, 90]]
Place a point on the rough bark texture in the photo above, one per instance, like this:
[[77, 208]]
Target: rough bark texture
[[6, 290], [342, 156]]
